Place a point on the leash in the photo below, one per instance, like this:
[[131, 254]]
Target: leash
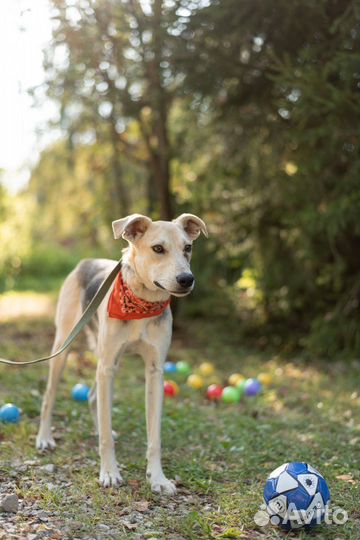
[[83, 321]]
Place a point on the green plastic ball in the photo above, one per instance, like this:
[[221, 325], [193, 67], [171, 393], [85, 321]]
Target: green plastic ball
[[183, 367], [230, 394], [240, 387]]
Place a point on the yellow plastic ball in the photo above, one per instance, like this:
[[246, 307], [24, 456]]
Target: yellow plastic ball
[[264, 378], [206, 369], [195, 381], [235, 378]]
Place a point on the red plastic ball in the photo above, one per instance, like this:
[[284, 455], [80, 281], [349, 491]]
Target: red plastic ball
[[214, 392], [170, 389]]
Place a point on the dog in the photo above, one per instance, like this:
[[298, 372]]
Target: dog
[[155, 265]]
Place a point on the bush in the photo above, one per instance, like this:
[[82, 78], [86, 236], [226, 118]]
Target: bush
[[42, 268]]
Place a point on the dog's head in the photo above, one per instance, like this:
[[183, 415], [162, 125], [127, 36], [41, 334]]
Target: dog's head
[[160, 251]]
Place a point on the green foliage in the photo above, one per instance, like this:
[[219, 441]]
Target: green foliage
[[241, 111], [283, 174], [44, 260], [44, 267], [15, 233]]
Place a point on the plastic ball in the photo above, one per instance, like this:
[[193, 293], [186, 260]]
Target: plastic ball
[[206, 369], [10, 413], [214, 392], [80, 392], [230, 394], [235, 378], [296, 495], [264, 378], [170, 367], [195, 381], [252, 387], [171, 389], [241, 387], [183, 367]]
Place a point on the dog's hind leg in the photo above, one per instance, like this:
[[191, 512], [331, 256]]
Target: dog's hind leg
[[67, 313], [92, 399], [44, 439]]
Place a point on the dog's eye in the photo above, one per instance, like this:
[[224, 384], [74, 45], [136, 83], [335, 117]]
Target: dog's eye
[[158, 249], [187, 248]]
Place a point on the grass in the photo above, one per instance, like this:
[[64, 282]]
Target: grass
[[220, 455]]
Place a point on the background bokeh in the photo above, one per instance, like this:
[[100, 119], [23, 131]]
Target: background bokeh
[[241, 111]]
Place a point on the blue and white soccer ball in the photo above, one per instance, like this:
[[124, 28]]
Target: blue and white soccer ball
[[296, 495]]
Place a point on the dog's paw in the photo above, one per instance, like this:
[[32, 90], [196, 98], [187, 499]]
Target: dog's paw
[[162, 485], [45, 443], [110, 478]]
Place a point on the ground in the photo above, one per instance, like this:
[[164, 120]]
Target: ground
[[219, 456]]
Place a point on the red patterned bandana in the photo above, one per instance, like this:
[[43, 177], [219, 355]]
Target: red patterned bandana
[[124, 305]]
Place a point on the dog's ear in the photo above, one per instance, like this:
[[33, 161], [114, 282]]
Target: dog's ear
[[131, 227], [192, 225]]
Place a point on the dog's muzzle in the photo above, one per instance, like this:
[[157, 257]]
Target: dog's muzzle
[[186, 284]]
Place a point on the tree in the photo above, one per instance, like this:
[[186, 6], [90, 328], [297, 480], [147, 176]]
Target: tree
[[116, 69], [279, 79], [242, 111]]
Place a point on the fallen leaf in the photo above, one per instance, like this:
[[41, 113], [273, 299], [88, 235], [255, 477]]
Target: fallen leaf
[[142, 506], [346, 478], [135, 484]]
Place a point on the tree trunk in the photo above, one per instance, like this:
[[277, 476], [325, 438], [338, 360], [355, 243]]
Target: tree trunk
[[161, 157], [161, 173], [151, 199]]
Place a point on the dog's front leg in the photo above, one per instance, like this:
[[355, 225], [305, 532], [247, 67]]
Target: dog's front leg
[[109, 471], [154, 361]]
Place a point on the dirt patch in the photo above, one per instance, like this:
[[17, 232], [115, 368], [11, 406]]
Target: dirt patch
[[14, 306]]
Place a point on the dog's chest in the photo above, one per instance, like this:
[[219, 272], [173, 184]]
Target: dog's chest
[[133, 334], [133, 331]]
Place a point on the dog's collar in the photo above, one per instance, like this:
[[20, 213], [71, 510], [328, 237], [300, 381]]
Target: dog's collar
[[125, 305]]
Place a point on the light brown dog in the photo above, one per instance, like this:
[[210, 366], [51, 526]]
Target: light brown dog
[[155, 265]]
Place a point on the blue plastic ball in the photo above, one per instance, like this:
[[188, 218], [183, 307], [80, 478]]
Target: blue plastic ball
[[10, 413], [80, 392], [252, 387], [296, 495], [170, 367]]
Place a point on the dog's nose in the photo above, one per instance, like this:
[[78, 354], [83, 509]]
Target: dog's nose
[[185, 280]]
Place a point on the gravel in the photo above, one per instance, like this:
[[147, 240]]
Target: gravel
[[10, 503], [25, 516], [49, 468]]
